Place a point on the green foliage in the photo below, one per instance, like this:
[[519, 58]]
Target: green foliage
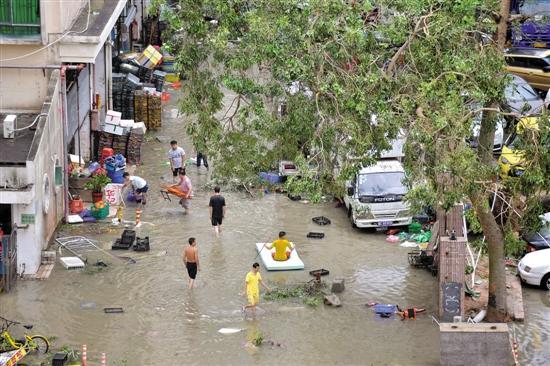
[[258, 339], [336, 62], [97, 182], [513, 246], [473, 222], [309, 293], [479, 244]]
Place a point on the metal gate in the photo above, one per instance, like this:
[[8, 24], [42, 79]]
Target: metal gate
[[9, 260]]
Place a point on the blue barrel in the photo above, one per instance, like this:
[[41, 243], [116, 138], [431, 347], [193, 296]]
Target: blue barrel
[[116, 175]]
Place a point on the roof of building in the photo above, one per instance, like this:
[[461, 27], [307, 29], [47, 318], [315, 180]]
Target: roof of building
[[88, 37], [15, 152], [530, 52], [101, 14]]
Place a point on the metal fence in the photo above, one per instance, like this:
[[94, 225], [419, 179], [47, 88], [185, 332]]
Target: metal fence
[[8, 262]]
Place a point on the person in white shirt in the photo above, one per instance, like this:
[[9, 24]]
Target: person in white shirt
[[176, 155], [139, 185]]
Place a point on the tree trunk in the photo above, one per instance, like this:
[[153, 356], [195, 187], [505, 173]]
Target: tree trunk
[[496, 307], [502, 25]]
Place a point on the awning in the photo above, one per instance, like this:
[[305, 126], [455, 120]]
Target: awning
[[84, 47]]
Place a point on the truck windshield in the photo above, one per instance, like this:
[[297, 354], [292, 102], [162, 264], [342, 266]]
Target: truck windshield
[[381, 184]]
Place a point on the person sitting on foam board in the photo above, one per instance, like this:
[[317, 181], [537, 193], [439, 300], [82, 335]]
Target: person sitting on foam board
[[282, 246]]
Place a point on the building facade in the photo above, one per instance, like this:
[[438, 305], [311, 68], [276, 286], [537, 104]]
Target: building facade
[[55, 77]]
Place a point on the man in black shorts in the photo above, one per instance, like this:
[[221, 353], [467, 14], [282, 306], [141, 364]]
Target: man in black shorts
[[217, 210], [176, 155], [191, 261]]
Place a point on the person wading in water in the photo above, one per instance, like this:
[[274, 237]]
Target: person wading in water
[[216, 207], [191, 261]]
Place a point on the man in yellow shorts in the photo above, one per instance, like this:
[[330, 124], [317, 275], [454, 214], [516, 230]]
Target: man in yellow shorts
[[283, 247], [252, 288]]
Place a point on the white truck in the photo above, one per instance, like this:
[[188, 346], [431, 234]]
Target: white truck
[[375, 198]]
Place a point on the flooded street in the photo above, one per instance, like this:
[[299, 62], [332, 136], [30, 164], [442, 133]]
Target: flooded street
[[165, 324]]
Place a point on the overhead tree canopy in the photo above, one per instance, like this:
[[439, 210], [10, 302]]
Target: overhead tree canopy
[[349, 76]]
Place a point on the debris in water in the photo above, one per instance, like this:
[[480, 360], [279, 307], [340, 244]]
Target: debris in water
[[87, 305], [229, 330], [100, 263], [113, 310], [332, 300]]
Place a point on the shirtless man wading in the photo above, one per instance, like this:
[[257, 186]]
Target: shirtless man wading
[[191, 260]]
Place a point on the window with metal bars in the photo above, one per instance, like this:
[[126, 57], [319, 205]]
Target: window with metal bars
[[19, 18]]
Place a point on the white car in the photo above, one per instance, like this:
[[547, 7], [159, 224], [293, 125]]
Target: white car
[[534, 268]]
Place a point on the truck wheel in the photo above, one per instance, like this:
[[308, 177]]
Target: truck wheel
[[545, 283]]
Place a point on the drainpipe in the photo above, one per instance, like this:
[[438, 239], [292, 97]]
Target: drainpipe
[[63, 96]]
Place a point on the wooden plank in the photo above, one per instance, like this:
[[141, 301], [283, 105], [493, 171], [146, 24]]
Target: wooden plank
[[44, 272], [442, 220], [435, 235], [455, 221]]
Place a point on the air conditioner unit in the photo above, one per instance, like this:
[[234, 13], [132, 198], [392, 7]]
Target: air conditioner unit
[[10, 125]]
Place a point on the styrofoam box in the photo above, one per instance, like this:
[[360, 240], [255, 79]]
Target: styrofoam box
[[113, 117], [140, 126], [127, 123], [114, 129]]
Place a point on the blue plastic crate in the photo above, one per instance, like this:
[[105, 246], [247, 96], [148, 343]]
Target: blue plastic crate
[[271, 177]]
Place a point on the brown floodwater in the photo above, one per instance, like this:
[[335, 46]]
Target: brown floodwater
[[166, 324]]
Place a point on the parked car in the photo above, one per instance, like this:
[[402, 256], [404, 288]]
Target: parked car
[[531, 64], [521, 98], [534, 268], [540, 239], [511, 161]]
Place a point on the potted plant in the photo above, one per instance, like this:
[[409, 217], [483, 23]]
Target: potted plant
[[96, 184]]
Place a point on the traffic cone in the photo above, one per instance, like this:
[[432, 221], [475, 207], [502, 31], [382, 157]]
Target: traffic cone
[[138, 216], [84, 355]]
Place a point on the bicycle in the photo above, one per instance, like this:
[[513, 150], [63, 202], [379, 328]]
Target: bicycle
[[30, 343]]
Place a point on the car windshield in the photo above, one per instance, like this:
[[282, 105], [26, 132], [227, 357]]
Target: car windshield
[[522, 98], [533, 7], [381, 184]]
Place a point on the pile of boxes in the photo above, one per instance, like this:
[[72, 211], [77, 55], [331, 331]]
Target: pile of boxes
[[148, 107], [124, 136]]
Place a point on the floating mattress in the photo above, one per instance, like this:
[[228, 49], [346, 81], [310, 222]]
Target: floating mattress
[[294, 262]]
